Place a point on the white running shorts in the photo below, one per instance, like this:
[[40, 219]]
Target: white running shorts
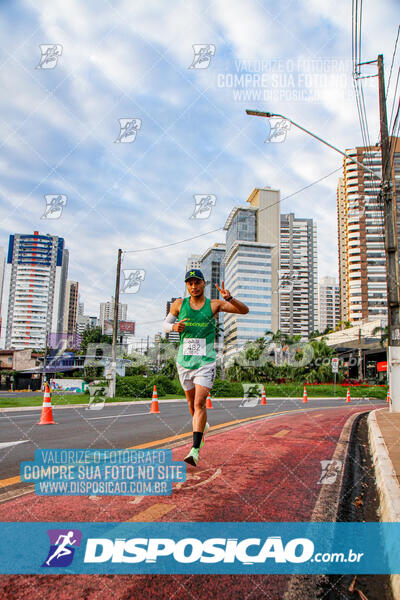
[[204, 375]]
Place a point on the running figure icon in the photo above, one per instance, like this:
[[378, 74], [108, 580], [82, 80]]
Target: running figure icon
[[62, 549]]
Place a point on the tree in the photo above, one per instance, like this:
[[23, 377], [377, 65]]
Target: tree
[[314, 335], [94, 335], [384, 331]]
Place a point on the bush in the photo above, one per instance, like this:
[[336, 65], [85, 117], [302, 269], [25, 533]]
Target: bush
[[135, 370], [170, 386], [226, 389], [136, 386]]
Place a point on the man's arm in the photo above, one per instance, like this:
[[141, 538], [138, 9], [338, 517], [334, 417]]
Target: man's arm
[[176, 307], [171, 323], [230, 304], [234, 306]]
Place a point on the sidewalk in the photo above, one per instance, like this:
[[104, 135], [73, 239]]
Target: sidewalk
[[384, 436]]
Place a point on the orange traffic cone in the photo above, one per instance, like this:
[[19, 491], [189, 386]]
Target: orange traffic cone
[[263, 398], [46, 418], [154, 402], [209, 403], [305, 399], [348, 399], [388, 396]]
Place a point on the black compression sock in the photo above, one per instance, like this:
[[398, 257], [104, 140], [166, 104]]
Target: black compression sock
[[197, 437]]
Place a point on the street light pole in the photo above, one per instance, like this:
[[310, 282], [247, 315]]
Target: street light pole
[[268, 115]]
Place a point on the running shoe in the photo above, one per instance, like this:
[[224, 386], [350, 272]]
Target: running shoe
[[193, 457], [206, 428]]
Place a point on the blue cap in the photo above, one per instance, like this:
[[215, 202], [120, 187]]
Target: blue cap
[[194, 273]]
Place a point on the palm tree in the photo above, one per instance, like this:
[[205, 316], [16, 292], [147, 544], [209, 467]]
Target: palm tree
[[276, 339], [384, 331]]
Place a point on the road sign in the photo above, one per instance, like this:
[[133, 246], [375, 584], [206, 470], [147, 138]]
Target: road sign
[[335, 365]]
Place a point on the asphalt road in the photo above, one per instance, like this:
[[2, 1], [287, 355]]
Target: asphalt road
[[124, 426], [265, 469]]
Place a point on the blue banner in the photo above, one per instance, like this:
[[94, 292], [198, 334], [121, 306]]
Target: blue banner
[[195, 548], [76, 472]]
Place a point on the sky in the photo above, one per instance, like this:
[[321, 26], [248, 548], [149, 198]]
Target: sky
[[140, 107]]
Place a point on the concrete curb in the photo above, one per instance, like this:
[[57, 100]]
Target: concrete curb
[[387, 484], [325, 509]]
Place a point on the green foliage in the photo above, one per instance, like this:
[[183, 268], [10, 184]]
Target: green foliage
[[169, 369], [92, 371], [284, 360], [226, 389], [137, 386], [94, 336], [170, 386], [139, 369]]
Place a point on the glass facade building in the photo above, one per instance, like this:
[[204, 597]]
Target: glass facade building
[[213, 269], [248, 278]]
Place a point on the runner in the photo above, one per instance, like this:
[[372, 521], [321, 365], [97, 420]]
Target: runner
[[196, 360]]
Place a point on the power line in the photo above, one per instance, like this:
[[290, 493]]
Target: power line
[[221, 228], [391, 66], [172, 243], [394, 97]]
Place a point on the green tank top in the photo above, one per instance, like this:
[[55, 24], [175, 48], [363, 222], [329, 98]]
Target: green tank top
[[197, 340]]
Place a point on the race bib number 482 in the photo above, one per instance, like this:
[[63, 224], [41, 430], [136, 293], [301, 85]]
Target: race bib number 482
[[194, 347]]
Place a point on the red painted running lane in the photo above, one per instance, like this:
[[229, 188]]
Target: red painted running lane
[[266, 470]]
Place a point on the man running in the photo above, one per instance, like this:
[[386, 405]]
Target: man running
[[196, 360]]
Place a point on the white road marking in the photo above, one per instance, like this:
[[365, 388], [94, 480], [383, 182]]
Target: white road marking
[[6, 444], [117, 416]]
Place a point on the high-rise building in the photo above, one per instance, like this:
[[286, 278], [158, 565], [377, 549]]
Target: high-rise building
[[342, 248], [267, 202], [107, 312], [298, 274], [2, 266], [71, 305], [248, 278], [84, 322], [172, 336], [193, 262], [361, 237], [212, 267], [329, 303], [81, 308], [34, 290]]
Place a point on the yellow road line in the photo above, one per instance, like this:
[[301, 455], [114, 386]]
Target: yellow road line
[[215, 427], [281, 433], [153, 513], [9, 481]]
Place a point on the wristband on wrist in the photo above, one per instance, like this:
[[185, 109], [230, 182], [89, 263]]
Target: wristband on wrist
[[229, 299]]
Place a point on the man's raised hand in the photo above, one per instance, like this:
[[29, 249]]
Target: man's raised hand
[[224, 293]]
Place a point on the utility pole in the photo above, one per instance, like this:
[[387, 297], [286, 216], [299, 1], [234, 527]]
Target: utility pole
[[44, 378], [112, 383], [391, 250], [360, 369]]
